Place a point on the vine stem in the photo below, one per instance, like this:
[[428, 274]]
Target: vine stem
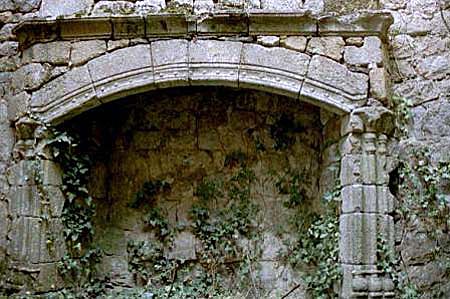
[[174, 276], [291, 291]]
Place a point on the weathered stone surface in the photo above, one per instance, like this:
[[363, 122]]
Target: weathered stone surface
[[84, 51], [170, 61], [117, 44], [9, 64], [354, 41], [351, 170], [3, 226], [25, 236], [30, 77], [331, 154], [328, 80], [6, 142], [424, 276], [53, 52], [350, 144], [149, 6], [371, 52], [54, 8], [352, 123], [3, 112], [281, 5], [367, 199], [51, 173], [376, 119], [103, 8], [70, 92], [432, 120], [417, 247], [278, 70], [7, 5], [268, 41], [329, 46], [25, 201], [346, 7], [214, 61], [419, 91], [203, 6], [115, 73], [26, 5], [8, 48], [316, 7], [56, 200], [6, 32], [297, 43], [434, 67], [359, 231], [117, 269], [378, 83], [21, 173]]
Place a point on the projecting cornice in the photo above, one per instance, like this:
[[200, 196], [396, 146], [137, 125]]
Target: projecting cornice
[[220, 24]]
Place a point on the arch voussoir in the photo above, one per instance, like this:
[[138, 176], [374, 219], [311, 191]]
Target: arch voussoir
[[180, 62]]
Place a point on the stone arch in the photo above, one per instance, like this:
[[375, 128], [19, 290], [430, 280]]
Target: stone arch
[[179, 62]]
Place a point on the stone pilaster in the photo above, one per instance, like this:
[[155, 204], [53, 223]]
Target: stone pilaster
[[35, 201], [367, 205]]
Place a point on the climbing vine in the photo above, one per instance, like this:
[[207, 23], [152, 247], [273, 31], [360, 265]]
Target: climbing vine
[[78, 266], [315, 250], [418, 184]]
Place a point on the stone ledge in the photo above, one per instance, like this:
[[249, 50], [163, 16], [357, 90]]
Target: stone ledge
[[179, 25]]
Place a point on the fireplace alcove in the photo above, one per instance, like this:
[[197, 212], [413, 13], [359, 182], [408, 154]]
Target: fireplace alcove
[[155, 151]]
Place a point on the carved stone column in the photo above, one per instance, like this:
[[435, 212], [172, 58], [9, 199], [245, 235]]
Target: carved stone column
[[35, 237], [367, 203]]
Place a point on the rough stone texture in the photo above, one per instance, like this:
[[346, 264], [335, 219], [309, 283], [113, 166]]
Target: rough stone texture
[[419, 50], [281, 5], [113, 8], [6, 142], [8, 48], [107, 71], [268, 41], [370, 52], [378, 83], [84, 51], [255, 58], [54, 8], [349, 6], [184, 137], [297, 43], [204, 56], [331, 46], [53, 52], [30, 77], [3, 227], [77, 82], [333, 74]]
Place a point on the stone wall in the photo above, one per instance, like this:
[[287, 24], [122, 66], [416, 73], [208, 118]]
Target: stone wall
[[419, 70], [186, 137]]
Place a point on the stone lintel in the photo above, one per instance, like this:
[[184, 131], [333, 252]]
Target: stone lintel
[[360, 24], [33, 31]]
